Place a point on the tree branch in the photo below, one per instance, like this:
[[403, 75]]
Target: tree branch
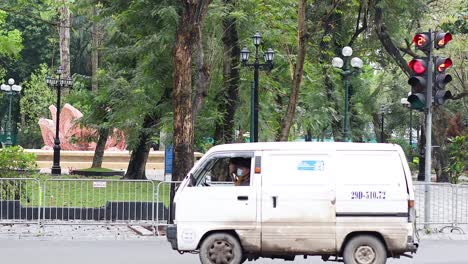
[[358, 30], [387, 42], [459, 95], [408, 51]]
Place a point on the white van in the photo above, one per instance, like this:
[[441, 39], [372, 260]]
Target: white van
[[350, 201]]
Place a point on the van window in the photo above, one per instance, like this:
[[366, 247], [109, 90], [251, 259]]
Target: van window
[[224, 171]]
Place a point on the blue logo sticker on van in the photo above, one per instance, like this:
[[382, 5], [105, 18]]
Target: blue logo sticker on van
[[311, 165]]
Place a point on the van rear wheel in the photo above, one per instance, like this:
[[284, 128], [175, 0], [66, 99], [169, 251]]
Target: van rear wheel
[[220, 248], [365, 249]]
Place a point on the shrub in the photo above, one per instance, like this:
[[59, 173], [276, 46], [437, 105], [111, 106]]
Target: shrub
[[14, 158], [457, 149]]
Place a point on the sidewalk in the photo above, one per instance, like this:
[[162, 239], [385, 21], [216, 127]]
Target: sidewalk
[[71, 232], [123, 232]]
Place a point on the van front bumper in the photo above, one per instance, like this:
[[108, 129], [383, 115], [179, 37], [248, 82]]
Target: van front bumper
[[412, 247], [412, 243], [171, 235]]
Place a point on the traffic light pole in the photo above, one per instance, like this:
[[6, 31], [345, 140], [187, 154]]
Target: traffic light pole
[[428, 151]]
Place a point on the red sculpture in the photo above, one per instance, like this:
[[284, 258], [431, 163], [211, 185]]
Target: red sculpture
[[74, 137]]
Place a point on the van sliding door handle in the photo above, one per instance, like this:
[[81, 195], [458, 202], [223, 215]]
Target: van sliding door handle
[[274, 201], [242, 198]]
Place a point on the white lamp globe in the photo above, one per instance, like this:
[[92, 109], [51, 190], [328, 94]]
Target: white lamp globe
[[356, 63], [337, 62], [347, 51]]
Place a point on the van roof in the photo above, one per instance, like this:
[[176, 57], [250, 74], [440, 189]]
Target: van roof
[[304, 146]]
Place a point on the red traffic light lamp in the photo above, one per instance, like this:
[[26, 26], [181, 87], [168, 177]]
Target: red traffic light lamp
[[418, 66]]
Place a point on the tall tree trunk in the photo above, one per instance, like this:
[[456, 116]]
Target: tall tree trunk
[[103, 132], [96, 33], [193, 12], [64, 36], [203, 76], [137, 164], [440, 125], [299, 67], [100, 147], [224, 128]]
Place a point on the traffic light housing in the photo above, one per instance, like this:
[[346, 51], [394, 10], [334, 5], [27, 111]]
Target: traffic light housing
[[418, 82], [422, 41], [441, 80], [441, 39]]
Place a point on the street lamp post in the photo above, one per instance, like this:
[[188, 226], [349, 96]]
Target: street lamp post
[[58, 82], [10, 89], [268, 65], [405, 103], [356, 63], [382, 113]]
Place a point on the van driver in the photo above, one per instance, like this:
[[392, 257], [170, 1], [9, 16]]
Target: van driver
[[239, 170]]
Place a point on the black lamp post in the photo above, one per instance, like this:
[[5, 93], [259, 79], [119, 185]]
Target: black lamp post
[[356, 63], [58, 82], [10, 89], [405, 103], [384, 109], [268, 65]]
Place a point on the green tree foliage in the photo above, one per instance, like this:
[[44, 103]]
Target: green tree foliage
[[136, 70], [10, 43], [34, 104]]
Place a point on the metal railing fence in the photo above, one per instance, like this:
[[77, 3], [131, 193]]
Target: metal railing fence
[[461, 205], [163, 196], [20, 200], [112, 201], [448, 207], [98, 200]]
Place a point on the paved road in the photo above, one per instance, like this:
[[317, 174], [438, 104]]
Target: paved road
[[158, 251]]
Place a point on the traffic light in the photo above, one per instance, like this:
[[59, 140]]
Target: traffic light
[[441, 79], [441, 39], [422, 41], [418, 82]]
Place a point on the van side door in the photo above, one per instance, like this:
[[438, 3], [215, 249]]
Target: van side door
[[213, 202], [298, 203]]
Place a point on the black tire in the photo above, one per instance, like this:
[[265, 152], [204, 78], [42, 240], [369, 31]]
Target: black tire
[[365, 249], [220, 248]]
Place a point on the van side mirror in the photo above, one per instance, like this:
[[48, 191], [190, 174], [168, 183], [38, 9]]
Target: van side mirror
[[192, 180], [208, 180]]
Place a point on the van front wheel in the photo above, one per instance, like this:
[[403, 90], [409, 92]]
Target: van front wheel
[[365, 249], [220, 248]]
